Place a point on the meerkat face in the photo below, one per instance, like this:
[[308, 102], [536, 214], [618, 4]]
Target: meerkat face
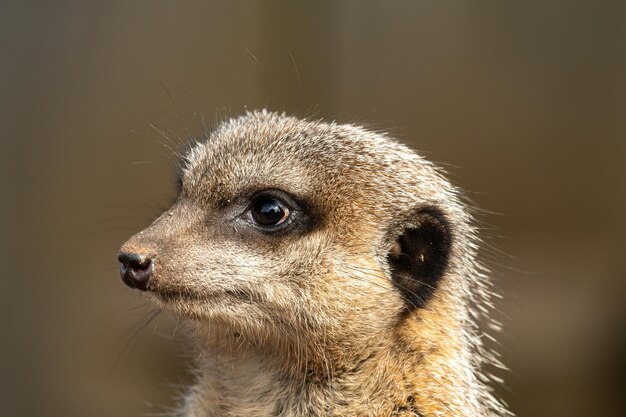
[[286, 227]]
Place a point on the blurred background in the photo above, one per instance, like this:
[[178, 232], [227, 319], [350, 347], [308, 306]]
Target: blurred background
[[524, 103]]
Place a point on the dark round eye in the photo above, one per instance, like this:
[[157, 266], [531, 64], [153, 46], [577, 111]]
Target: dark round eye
[[269, 211]]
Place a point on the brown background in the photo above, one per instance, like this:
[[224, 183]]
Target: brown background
[[524, 101]]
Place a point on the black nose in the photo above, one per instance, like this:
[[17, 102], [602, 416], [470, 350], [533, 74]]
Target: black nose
[[136, 269]]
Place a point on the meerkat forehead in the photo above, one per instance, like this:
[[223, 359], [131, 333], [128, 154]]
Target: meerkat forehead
[[311, 159]]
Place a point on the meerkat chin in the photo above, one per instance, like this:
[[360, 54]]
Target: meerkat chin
[[327, 270]]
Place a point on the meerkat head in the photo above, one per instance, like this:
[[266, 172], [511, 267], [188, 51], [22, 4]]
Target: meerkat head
[[304, 233]]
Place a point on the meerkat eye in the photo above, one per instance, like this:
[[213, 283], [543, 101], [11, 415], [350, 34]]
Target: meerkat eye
[[268, 211]]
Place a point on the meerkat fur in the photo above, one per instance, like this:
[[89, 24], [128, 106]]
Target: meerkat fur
[[368, 303]]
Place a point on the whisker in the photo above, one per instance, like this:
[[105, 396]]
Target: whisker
[[295, 66], [174, 152], [130, 341], [267, 80], [180, 114]]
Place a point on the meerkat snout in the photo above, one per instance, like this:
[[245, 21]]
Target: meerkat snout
[[328, 270]]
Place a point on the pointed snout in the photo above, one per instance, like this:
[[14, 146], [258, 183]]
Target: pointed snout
[[140, 255]]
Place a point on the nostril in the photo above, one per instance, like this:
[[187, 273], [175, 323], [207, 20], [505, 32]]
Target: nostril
[[139, 265], [136, 269]]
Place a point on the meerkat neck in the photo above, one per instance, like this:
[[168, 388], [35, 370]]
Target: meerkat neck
[[236, 378]]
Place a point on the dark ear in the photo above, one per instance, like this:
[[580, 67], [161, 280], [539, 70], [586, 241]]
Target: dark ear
[[419, 256]]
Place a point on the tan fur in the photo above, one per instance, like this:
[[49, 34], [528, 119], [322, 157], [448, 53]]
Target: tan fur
[[311, 325]]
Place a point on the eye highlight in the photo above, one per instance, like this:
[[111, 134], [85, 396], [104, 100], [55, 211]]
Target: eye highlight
[[269, 212]]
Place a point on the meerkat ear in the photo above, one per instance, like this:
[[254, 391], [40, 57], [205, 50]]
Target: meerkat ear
[[419, 256]]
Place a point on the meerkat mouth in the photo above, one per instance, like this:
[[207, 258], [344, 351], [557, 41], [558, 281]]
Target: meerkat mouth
[[175, 295]]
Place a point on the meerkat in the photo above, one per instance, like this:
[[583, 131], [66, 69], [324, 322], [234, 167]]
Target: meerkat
[[327, 271]]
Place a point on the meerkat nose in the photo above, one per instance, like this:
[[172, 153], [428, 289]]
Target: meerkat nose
[[136, 269]]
